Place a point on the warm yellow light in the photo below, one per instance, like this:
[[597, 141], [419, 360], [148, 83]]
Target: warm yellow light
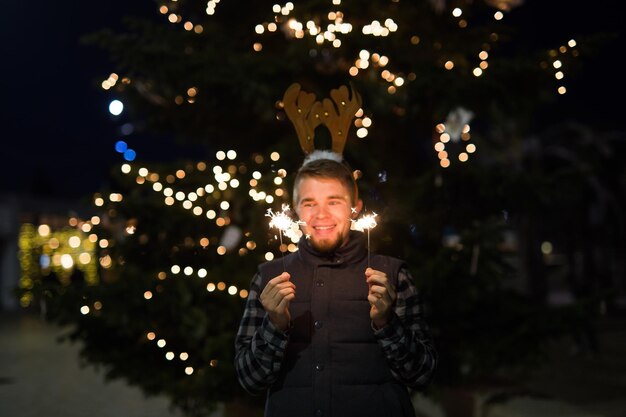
[[43, 230], [84, 258], [106, 262], [66, 261], [448, 65]]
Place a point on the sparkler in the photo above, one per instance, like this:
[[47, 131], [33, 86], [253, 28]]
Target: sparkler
[[284, 224], [366, 222]]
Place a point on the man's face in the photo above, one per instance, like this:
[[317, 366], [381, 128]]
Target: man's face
[[324, 204]]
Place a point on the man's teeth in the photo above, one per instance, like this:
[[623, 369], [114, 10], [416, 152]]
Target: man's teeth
[[323, 227]]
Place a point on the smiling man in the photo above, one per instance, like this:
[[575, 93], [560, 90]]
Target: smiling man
[[327, 335]]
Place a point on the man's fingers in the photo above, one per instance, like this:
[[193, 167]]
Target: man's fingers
[[378, 302], [275, 291], [277, 283], [284, 302], [378, 281]]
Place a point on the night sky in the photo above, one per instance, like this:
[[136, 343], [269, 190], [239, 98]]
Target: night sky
[[58, 137]]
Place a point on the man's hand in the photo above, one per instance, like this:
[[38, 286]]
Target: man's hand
[[381, 296], [275, 299]]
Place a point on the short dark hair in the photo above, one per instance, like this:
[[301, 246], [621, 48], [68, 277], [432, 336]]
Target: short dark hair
[[327, 168]]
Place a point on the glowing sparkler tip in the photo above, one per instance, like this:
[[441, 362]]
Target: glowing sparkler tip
[[284, 223], [366, 222]]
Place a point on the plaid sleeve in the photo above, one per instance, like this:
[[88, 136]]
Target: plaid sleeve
[[406, 339], [259, 346]]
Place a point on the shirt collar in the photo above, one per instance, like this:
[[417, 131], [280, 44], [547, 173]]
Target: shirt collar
[[352, 252]]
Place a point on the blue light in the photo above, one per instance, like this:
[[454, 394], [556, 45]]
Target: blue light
[[130, 155], [44, 261], [121, 146]]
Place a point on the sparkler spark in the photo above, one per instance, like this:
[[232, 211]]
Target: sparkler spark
[[365, 222], [281, 220], [285, 225]]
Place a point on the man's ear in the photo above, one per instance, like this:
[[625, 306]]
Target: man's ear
[[357, 209]]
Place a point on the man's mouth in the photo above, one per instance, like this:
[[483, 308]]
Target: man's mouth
[[323, 227]]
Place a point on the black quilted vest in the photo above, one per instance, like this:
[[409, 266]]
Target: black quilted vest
[[333, 365]]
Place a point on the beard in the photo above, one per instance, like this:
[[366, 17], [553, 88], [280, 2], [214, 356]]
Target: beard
[[327, 246]]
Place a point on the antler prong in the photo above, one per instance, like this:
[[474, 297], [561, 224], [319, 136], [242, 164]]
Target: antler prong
[[339, 115], [298, 106]]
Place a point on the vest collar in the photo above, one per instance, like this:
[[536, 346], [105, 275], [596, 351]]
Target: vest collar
[[352, 252]]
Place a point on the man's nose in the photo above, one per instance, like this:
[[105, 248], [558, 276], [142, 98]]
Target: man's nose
[[322, 211]]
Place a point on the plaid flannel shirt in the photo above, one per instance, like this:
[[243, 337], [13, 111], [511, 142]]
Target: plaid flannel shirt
[[406, 341]]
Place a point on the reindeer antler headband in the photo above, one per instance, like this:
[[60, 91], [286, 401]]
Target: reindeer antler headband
[[306, 114]]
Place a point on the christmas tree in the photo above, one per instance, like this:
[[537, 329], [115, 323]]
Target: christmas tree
[[458, 148]]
